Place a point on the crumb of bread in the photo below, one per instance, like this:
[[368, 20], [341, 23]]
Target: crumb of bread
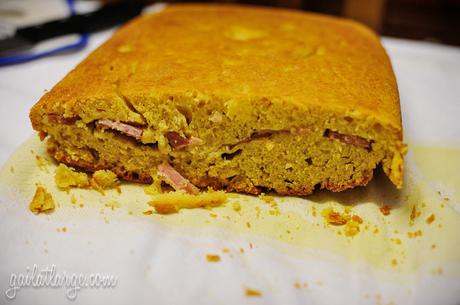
[[415, 234], [172, 202], [213, 258], [300, 285], [66, 177], [42, 163], [253, 293], [42, 201], [267, 199], [386, 210], [414, 214], [333, 218], [351, 222], [104, 179], [236, 206], [112, 205], [430, 219], [148, 212], [351, 228]]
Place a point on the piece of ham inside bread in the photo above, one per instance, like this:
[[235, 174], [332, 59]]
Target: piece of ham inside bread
[[176, 180]]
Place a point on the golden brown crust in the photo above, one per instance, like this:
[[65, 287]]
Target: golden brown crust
[[222, 50]]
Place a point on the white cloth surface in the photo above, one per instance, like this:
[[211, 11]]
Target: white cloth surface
[[429, 83]]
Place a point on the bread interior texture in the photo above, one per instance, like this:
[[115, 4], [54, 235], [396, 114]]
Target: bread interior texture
[[249, 146]]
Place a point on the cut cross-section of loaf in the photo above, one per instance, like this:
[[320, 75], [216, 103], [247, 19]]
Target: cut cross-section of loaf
[[239, 98]]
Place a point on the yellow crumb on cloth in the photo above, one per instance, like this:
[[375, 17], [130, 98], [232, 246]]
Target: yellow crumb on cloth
[[42, 202], [66, 177], [213, 258], [385, 210], [351, 222], [253, 293], [172, 202], [333, 218]]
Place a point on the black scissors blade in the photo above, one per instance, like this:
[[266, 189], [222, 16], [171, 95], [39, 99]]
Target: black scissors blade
[[13, 45]]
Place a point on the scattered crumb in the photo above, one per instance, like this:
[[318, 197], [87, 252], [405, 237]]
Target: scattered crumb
[[433, 246], [313, 211], [172, 202], [165, 208], [300, 285], [352, 228], [351, 222], [437, 271], [241, 250], [430, 219], [41, 163], [394, 262], [385, 210], [64, 229], [357, 219], [112, 204], [148, 212], [333, 218], [73, 200], [414, 234], [42, 202], [66, 177], [104, 179], [226, 250], [414, 214], [236, 206], [12, 169], [253, 293], [212, 258], [266, 198], [248, 224]]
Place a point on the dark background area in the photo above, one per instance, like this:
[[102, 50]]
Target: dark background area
[[433, 20]]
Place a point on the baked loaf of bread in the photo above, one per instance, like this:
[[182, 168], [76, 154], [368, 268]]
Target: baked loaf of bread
[[239, 98]]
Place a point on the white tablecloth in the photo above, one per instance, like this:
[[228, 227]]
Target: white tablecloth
[[429, 82]]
